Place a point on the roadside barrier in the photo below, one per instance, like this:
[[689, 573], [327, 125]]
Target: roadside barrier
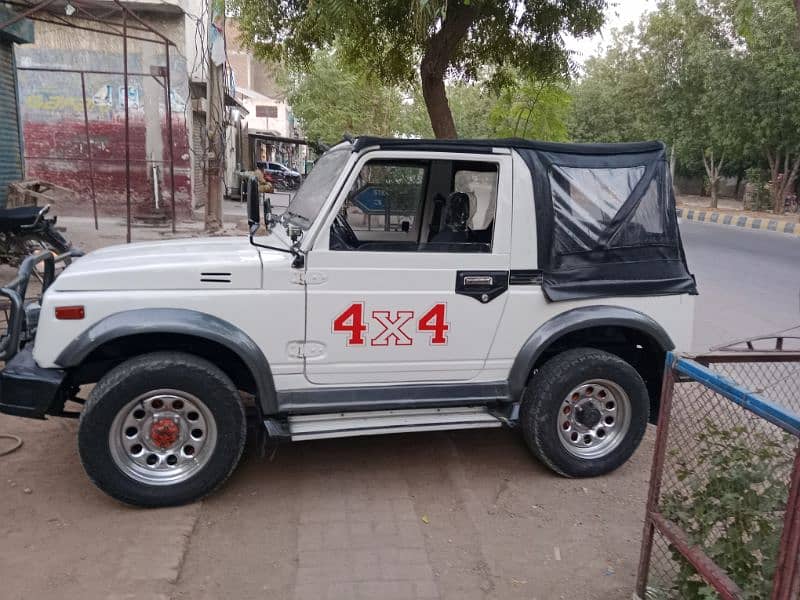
[[723, 512], [781, 225]]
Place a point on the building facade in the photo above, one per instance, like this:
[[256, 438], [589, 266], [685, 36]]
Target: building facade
[[11, 151], [72, 108]]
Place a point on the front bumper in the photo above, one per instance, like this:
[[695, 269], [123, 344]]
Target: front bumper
[[28, 390]]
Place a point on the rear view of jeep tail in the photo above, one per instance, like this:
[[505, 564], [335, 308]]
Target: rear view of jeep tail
[[410, 286]]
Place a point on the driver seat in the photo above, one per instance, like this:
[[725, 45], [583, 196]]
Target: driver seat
[[456, 217]]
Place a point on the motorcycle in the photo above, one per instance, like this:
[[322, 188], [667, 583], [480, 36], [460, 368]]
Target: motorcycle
[[27, 230]]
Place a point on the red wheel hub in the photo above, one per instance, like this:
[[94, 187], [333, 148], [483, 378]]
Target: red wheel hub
[[164, 433]]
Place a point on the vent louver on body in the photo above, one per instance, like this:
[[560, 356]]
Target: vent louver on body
[[525, 277], [215, 277]]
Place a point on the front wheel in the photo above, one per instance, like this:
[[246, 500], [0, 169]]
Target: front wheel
[[162, 429], [584, 412]]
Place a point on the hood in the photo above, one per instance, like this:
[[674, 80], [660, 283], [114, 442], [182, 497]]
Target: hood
[[187, 264]]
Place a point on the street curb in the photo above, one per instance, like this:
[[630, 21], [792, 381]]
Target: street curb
[[744, 222]]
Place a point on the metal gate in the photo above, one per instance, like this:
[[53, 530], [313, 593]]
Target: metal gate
[[723, 513]]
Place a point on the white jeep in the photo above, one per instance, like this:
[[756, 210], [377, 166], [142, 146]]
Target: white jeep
[[411, 285]]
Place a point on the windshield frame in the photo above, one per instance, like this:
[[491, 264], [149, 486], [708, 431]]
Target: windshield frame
[[301, 216]]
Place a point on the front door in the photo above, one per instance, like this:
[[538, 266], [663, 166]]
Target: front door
[[408, 280]]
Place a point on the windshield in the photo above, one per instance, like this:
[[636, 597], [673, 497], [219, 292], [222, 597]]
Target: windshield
[[308, 200]]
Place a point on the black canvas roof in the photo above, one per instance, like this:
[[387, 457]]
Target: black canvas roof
[[605, 215], [517, 143]]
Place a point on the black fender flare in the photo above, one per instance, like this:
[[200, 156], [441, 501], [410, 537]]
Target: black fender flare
[[574, 320], [178, 321]]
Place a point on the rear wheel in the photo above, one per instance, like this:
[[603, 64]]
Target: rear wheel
[[162, 429], [584, 412]]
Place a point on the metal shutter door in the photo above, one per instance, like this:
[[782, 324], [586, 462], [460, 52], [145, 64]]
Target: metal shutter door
[[10, 154]]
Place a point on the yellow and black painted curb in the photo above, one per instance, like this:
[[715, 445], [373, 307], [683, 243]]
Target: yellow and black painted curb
[[732, 220]]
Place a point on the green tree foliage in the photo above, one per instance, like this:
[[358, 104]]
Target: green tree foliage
[[525, 108], [718, 80], [330, 100], [769, 90], [533, 108], [613, 102], [435, 40]]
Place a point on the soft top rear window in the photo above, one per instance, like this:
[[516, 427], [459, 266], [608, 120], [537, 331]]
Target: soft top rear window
[[606, 224]]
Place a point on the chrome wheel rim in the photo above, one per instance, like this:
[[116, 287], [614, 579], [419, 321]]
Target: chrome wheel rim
[[594, 418], [163, 437]]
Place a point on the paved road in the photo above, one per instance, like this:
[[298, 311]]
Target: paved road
[[462, 515], [749, 282]]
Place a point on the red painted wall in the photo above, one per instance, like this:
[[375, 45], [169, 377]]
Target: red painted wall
[[56, 151]]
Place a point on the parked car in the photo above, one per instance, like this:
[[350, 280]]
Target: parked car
[[513, 284], [281, 175]]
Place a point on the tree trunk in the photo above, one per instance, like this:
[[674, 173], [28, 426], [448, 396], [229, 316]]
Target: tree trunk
[[672, 165], [713, 170], [739, 191], [439, 51], [782, 182], [435, 95]]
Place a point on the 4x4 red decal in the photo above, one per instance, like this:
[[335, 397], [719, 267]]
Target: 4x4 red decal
[[392, 328], [434, 321], [393, 325], [351, 321]]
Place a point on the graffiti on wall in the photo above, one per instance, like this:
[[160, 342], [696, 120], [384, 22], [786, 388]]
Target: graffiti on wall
[[55, 132]]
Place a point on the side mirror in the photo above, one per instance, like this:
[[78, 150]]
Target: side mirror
[[269, 220], [253, 209], [294, 232]]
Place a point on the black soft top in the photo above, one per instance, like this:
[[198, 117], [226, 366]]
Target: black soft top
[[605, 215], [517, 143]]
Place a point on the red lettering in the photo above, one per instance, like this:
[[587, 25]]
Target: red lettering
[[351, 321], [392, 328], [434, 321]]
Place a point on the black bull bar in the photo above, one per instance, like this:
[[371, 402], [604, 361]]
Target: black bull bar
[[16, 290]]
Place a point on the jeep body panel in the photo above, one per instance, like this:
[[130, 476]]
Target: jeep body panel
[[218, 263], [406, 285], [289, 313], [267, 313], [177, 321]]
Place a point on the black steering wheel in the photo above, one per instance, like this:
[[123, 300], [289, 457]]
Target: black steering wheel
[[344, 233]]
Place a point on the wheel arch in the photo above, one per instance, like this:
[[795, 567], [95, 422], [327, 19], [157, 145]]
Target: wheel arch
[[123, 335], [628, 333]]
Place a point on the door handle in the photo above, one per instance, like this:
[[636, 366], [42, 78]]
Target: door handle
[[478, 280], [484, 286]]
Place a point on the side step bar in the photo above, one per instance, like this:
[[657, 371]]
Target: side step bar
[[312, 427]]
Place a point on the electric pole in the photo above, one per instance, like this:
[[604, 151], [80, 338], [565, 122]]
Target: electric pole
[[215, 113]]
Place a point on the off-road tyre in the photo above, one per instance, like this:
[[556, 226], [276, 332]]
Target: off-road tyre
[[140, 375], [542, 402]]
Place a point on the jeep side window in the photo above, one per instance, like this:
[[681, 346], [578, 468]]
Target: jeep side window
[[419, 206], [383, 208], [463, 220], [481, 188]]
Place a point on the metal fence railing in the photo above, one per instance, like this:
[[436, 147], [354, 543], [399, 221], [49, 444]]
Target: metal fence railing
[[723, 512]]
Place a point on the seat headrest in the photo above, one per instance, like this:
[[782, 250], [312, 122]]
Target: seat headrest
[[457, 211]]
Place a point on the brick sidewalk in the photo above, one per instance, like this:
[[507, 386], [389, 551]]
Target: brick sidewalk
[[360, 538]]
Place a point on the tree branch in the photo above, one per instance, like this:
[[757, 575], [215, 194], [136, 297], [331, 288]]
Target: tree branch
[[439, 51]]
